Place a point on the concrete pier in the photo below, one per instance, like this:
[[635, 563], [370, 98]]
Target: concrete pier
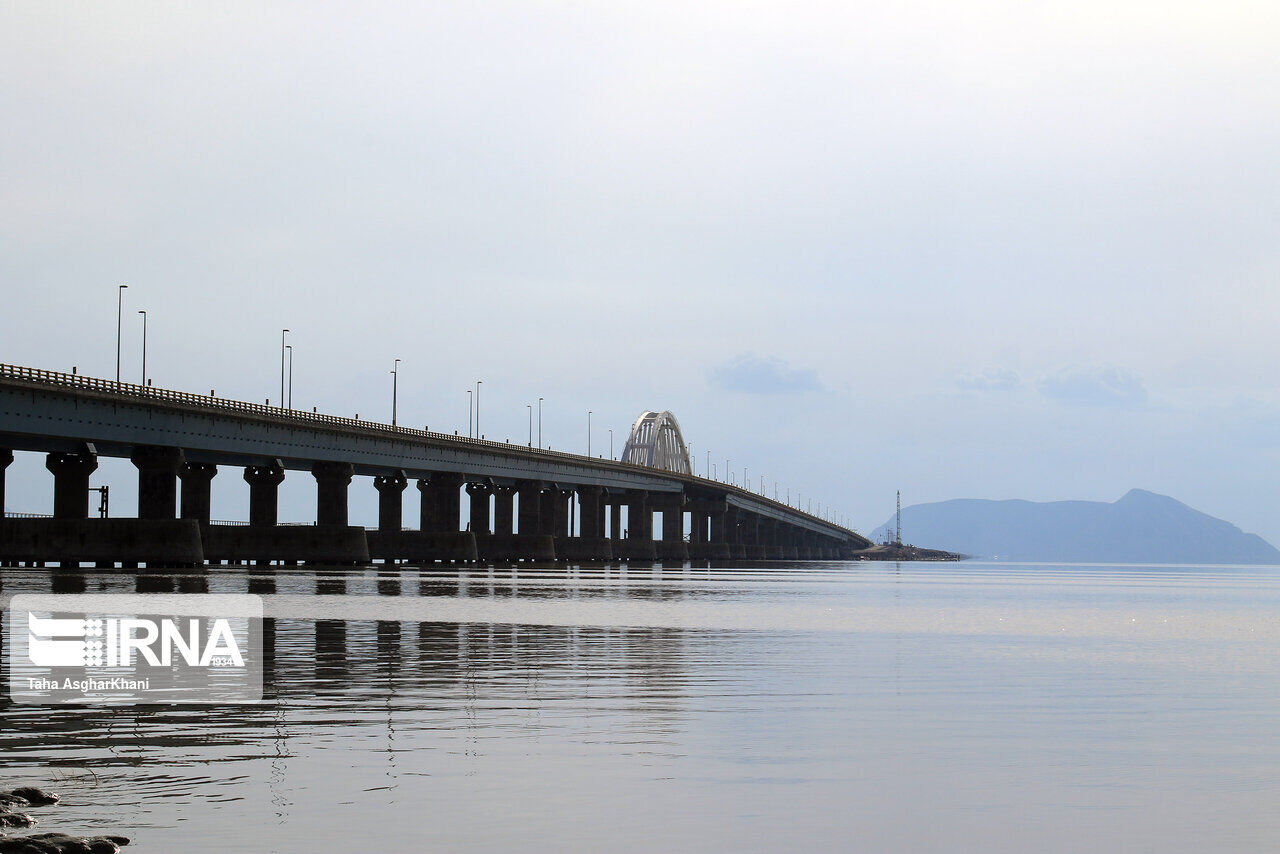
[[391, 489], [153, 542], [419, 547], [315, 544], [157, 481], [446, 504], [638, 544], [6, 457], [71, 483], [530, 513], [332, 480], [264, 493], [196, 481], [504, 510], [672, 546]]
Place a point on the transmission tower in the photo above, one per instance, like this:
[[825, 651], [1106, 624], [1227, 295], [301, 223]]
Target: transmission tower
[[897, 537]]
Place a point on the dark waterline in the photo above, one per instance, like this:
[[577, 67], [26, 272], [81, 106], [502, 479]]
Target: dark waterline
[[873, 707]]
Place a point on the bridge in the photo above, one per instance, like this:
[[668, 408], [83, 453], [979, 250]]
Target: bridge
[[520, 505]]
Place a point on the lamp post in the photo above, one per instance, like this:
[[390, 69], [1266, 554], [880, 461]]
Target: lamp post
[[289, 347], [539, 422], [706, 472], [283, 332], [728, 476], [530, 407], [395, 387], [119, 319], [610, 443], [470, 400], [478, 408], [143, 312], [588, 432]]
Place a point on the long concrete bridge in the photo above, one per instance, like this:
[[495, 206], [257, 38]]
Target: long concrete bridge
[[520, 497]]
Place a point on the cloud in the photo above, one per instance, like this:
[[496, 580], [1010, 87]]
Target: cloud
[[992, 379], [1099, 385], [763, 375]]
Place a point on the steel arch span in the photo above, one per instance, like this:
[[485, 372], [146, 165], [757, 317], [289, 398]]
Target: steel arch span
[[656, 441]]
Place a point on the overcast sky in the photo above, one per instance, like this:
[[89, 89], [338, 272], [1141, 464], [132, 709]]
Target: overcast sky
[[961, 249]]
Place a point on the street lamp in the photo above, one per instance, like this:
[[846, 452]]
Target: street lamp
[[395, 385], [539, 423], [588, 432], [470, 400], [289, 347], [478, 407], [610, 443], [727, 474], [707, 471], [119, 309], [283, 332], [144, 346], [530, 407]]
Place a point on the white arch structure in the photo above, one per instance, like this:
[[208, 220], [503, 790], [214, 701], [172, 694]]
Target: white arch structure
[[656, 441]]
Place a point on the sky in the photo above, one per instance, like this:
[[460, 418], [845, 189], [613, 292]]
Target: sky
[[961, 250]]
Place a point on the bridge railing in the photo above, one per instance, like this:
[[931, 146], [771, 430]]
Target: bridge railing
[[226, 404]]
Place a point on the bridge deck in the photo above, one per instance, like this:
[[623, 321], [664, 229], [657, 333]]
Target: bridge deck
[[50, 411]]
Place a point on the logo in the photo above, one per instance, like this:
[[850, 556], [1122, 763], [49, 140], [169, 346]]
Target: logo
[[126, 648], [115, 643]]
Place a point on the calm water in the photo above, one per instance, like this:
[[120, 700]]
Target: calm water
[[870, 707]]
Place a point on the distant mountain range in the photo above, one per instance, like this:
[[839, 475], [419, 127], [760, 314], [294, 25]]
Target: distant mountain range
[[1142, 527]]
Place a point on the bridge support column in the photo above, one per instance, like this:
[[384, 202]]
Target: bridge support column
[[479, 493], [504, 510], [639, 545], [426, 505], [71, 483], [790, 542], [6, 457], [591, 512], [697, 527], [332, 480], [672, 546], [447, 502], [734, 534], [530, 520], [753, 549], [806, 547], [195, 500], [157, 481], [437, 537], [264, 493], [699, 538], [769, 539], [720, 547], [560, 515], [590, 544], [391, 489], [615, 519]]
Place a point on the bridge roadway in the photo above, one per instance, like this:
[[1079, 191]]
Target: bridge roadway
[[179, 438]]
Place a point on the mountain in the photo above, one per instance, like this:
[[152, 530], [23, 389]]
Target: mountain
[[1142, 527]]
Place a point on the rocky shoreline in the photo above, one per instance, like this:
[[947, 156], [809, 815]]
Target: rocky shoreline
[[14, 816]]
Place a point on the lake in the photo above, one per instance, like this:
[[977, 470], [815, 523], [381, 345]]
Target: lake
[[817, 707]]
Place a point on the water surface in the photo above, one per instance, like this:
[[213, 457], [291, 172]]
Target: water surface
[[821, 707]]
